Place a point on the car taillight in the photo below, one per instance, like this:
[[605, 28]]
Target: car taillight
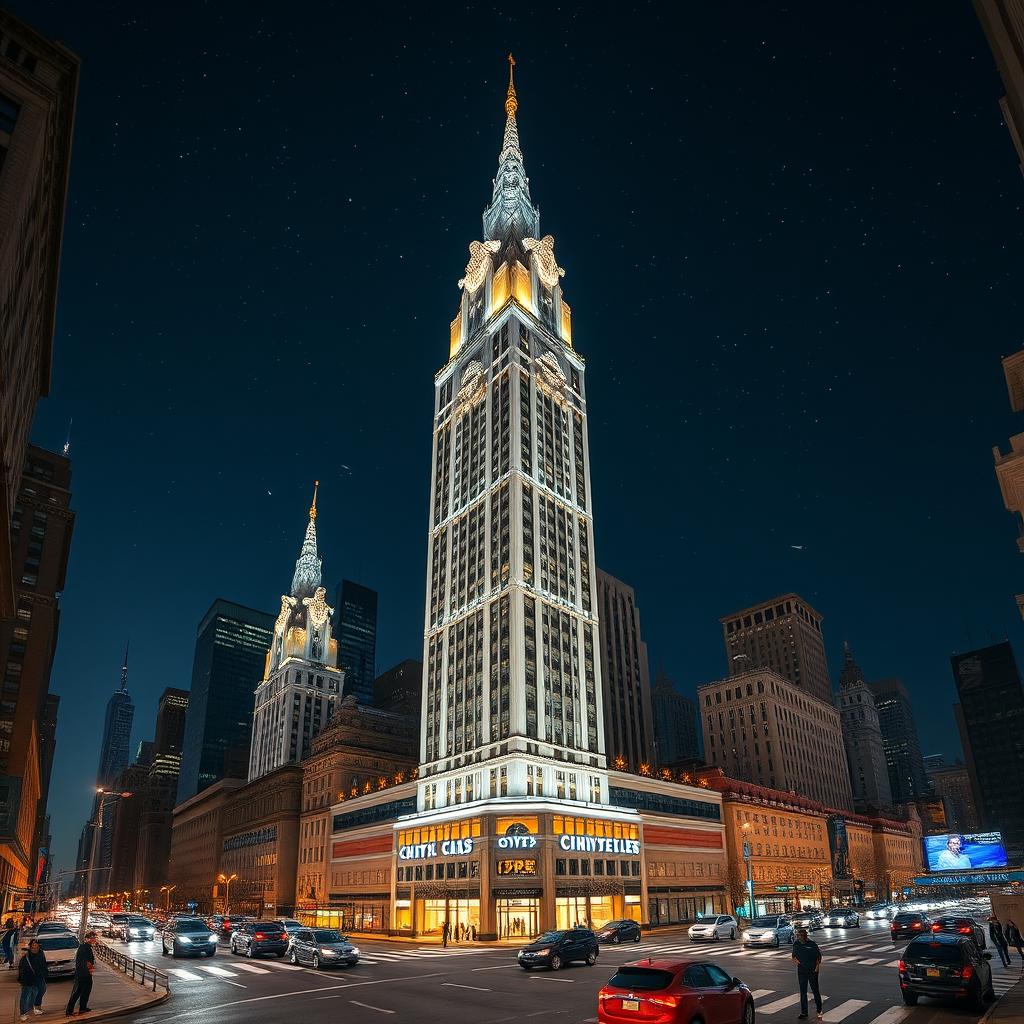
[[936, 927], [260, 935], [670, 1001], [283, 935], [916, 924], [967, 973], [902, 966], [966, 931]]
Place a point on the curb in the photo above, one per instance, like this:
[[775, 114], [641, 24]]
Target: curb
[[990, 1012], [120, 1011]]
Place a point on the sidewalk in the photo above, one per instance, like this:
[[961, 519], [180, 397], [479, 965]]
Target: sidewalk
[[1008, 1008], [112, 995]]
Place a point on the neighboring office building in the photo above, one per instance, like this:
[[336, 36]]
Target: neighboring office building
[[907, 779], [862, 738], [125, 816], [41, 528], [38, 91], [355, 617], [783, 634], [952, 782], [47, 752], [675, 723], [760, 727], [400, 689], [1010, 467], [232, 642], [297, 694], [628, 727], [990, 716], [1003, 22], [144, 752]]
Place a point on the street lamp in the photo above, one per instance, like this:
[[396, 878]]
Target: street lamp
[[750, 877], [167, 890], [227, 880], [105, 798]]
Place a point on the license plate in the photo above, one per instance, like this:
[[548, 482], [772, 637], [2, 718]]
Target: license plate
[[933, 972], [631, 1004]]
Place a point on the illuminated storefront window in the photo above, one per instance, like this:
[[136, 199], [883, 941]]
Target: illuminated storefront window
[[564, 825]]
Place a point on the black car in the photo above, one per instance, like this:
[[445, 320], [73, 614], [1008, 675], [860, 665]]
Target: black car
[[946, 966], [619, 931], [556, 948], [907, 924], [188, 936], [960, 926], [259, 938], [322, 947]]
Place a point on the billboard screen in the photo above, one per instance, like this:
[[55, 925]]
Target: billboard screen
[[839, 846], [957, 851]]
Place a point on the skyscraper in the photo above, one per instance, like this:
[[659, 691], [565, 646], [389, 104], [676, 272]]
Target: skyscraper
[[625, 675], [38, 91], [783, 634], [675, 723], [511, 653], [170, 722], [1010, 467], [231, 653], [907, 779], [952, 782], [991, 721], [1003, 22], [355, 619], [862, 738], [302, 683]]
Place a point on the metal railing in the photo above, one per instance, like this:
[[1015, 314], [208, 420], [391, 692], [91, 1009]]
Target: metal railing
[[138, 970]]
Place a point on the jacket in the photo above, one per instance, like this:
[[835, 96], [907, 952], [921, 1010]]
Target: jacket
[[32, 968], [1012, 934], [84, 961]]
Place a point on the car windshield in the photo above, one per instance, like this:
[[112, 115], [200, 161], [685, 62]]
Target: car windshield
[[646, 979], [934, 952], [550, 937], [190, 926], [267, 926], [291, 924], [327, 935], [139, 920], [765, 922], [59, 942]]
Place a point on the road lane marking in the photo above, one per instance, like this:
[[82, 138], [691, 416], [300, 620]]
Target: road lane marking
[[367, 1006], [781, 1004], [872, 960], [843, 959], [564, 981], [882, 949], [235, 983], [893, 1015], [760, 993], [893, 963], [250, 968], [500, 967], [180, 972], [217, 971], [318, 998], [843, 1010], [475, 988], [852, 948]]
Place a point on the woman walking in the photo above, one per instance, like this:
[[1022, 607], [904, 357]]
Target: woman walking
[[9, 942], [32, 979]]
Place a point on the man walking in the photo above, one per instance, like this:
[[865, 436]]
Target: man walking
[[446, 934], [85, 964], [995, 933], [807, 957], [1013, 937]]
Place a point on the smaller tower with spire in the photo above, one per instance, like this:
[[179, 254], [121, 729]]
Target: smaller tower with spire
[[302, 682]]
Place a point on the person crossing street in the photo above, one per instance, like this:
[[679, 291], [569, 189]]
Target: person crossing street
[[807, 957], [995, 933]]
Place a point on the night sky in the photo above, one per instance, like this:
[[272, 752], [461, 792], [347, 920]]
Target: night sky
[[793, 248]]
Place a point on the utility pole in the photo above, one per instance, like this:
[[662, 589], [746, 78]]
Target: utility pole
[[97, 833]]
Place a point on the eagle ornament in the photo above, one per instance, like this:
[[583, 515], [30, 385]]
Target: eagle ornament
[[476, 269], [548, 269]]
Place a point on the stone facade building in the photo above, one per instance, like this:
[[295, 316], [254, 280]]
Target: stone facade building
[[675, 724]]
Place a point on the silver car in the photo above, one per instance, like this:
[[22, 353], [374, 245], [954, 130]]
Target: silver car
[[842, 917], [768, 931], [322, 947], [711, 929]]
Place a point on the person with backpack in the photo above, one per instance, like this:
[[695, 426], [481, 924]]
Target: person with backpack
[[32, 979]]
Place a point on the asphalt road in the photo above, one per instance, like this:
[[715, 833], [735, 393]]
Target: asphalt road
[[484, 985]]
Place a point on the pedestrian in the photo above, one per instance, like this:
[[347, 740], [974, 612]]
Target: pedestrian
[[9, 943], [85, 964], [995, 933], [32, 979], [1013, 937], [473, 930], [807, 957], [446, 934]]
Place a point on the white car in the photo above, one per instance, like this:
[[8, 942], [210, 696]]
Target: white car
[[711, 929], [842, 917], [879, 912], [768, 931]]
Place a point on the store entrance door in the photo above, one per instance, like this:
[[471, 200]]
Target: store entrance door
[[518, 918]]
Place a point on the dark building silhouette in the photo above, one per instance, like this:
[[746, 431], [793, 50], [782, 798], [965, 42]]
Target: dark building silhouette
[[1003, 22], [990, 716], [400, 689], [952, 783], [231, 650], [907, 778], [355, 617], [144, 752], [675, 723], [41, 528], [170, 722]]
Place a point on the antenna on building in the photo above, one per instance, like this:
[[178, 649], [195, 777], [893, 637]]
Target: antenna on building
[[67, 440], [124, 668]]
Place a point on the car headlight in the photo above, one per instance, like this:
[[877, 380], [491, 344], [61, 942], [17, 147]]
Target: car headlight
[[329, 952], [746, 935], [354, 949], [213, 938], [184, 938]]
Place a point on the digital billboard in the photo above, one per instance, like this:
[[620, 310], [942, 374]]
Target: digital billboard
[[957, 851], [839, 846]]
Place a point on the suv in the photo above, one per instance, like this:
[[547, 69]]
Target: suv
[[187, 936], [907, 924], [946, 966], [555, 948], [961, 926], [259, 938], [713, 928]]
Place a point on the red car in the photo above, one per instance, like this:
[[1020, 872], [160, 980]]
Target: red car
[[674, 992]]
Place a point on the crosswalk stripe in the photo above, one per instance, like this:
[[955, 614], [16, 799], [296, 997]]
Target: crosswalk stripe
[[218, 972], [893, 963], [883, 949], [893, 1015], [781, 1004], [843, 1010], [760, 993], [180, 972], [871, 960], [251, 968]]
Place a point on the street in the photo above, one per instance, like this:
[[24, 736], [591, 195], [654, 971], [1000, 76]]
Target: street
[[484, 984]]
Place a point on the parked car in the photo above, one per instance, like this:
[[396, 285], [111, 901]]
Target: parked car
[[322, 947], [260, 938], [809, 919], [878, 911], [961, 926], [188, 936], [50, 928], [619, 931], [112, 929], [224, 926], [946, 965], [290, 925], [768, 931], [842, 917], [137, 928], [554, 949], [909, 923], [713, 928], [674, 992], [60, 951]]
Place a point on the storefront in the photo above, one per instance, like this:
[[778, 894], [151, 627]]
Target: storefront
[[667, 905]]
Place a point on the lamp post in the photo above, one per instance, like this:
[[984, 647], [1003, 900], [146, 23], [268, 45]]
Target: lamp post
[[97, 835], [167, 890], [227, 880], [750, 877]]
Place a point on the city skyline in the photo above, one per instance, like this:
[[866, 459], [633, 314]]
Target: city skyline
[[146, 457]]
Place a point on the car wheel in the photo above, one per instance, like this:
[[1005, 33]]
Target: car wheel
[[248, 951], [280, 954], [526, 967], [591, 958], [556, 963], [776, 942], [732, 933], [990, 993], [234, 949], [163, 949], [636, 938], [211, 952], [615, 939], [748, 1012], [910, 998], [293, 959], [316, 961]]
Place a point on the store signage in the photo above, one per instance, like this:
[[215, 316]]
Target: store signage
[[598, 844], [516, 894], [448, 848], [517, 842], [517, 866], [973, 878]]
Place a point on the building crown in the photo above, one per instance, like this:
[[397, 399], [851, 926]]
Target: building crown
[[307, 576]]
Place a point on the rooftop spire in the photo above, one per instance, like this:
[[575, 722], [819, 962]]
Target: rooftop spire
[[312, 508], [307, 566], [124, 668], [511, 103]]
